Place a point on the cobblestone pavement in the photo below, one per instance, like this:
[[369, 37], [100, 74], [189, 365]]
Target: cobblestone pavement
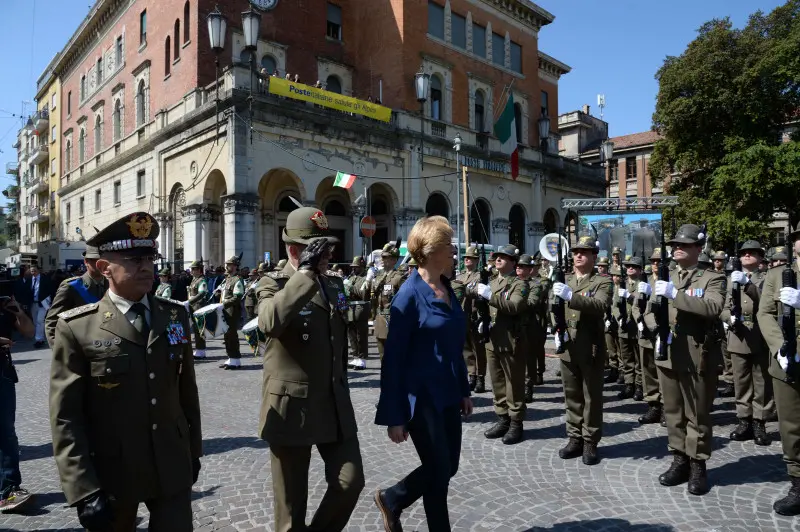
[[525, 487]]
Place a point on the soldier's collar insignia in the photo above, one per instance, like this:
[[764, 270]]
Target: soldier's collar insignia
[[107, 315], [319, 220], [140, 227], [108, 385]]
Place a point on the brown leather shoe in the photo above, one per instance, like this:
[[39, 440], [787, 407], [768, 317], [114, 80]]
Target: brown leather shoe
[[391, 522]]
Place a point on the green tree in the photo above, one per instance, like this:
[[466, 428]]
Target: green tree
[[720, 107]]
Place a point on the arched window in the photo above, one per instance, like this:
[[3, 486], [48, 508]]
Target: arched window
[[516, 227], [437, 103], [177, 38], [117, 120], [268, 64], [286, 205], [437, 206], [550, 221], [379, 207], [479, 111], [186, 27], [167, 61], [335, 208], [480, 221], [68, 156], [333, 84], [244, 57], [83, 88], [81, 146], [140, 104], [98, 135], [99, 71], [518, 122]]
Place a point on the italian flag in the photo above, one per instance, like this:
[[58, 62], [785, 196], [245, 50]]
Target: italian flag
[[344, 180], [506, 131]]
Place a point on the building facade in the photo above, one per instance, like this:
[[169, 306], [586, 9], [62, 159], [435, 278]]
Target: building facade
[[146, 124]]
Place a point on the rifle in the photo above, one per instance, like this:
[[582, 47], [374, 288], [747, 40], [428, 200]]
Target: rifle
[[642, 299], [788, 323], [622, 303], [736, 288], [481, 305], [662, 309], [558, 307]]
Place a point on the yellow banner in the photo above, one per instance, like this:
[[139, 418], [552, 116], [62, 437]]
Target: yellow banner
[[332, 100]]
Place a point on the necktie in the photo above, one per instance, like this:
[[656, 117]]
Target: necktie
[[140, 322], [682, 275]]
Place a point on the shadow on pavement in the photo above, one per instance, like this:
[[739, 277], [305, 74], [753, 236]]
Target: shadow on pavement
[[750, 470], [223, 445], [653, 448], [197, 494], [39, 503], [602, 524], [18, 362]]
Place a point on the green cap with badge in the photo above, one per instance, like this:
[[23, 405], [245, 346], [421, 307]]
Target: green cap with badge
[[688, 234], [586, 243], [390, 251], [525, 260], [509, 251], [306, 224], [719, 255], [133, 234], [704, 259], [780, 253], [616, 251], [358, 261], [164, 272], [472, 252], [233, 259], [602, 261], [634, 261], [656, 255], [196, 264], [751, 245]]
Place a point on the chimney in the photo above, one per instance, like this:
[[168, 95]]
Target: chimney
[[585, 109]]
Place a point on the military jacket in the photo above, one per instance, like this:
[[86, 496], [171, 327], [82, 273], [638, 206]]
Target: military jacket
[[68, 298], [468, 280], [357, 291], [198, 292], [585, 314], [745, 337], [306, 396], [647, 336], [124, 408], [385, 286], [627, 326], [164, 290], [232, 295], [770, 312], [538, 297], [508, 303], [250, 298], [694, 318]]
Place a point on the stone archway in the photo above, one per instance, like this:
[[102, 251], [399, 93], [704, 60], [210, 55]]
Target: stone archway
[[437, 205], [550, 221], [214, 239], [480, 221], [275, 192], [382, 207], [336, 203], [516, 227]]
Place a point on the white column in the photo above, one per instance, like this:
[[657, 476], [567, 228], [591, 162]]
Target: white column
[[239, 216]]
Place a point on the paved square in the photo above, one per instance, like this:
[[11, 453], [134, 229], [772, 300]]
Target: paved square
[[525, 487]]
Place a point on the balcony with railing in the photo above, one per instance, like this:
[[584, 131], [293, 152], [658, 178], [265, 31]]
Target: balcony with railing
[[40, 153], [41, 120], [12, 168], [42, 185], [43, 213]]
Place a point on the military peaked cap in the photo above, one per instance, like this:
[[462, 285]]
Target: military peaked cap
[[135, 232]]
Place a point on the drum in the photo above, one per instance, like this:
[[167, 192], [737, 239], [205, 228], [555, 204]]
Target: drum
[[211, 321], [255, 337]]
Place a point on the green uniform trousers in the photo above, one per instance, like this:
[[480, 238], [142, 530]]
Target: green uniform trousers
[[475, 354], [358, 334], [507, 373], [612, 348], [534, 351], [583, 394], [650, 385], [199, 339], [344, 475], [727, 367], [167, 514], [688, 398], [787, 399], [753, 385], [628, 348]]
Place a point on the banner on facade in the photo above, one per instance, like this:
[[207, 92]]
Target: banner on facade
[[332, 100]]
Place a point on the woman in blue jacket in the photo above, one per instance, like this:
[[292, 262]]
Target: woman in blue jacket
[[424, 385]]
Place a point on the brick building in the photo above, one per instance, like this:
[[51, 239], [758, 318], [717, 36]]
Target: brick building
[[139, 128]]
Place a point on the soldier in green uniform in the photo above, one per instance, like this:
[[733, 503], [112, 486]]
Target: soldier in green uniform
[[717, 262], [76, 292], [164, 288], [250, 300], [306, 397], [232, 293], [635, 276], [474, 347], [616, 257], [358, 312], [508, 301], [646, 327], [541, 315], [688, 377], [626, 332], [779, 257], [384, 288], [124, 408], [198, 298], [616, 373], [748, 351], [534, 331], [785, 377], [586, 295]]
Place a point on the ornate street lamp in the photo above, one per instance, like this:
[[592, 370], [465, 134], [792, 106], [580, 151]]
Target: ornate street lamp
[[606, 153], [422, 84], [457, 148], [544, 131], [251, 24], [217, 25]]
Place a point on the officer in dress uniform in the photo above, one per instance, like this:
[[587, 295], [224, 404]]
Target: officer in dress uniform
[[306, 397], [384, 288], [688, 377], [124, 409], [76, 292], [358, 312], [474, 347], [587, 296], [232, 290], [785, 377], [198, 298], [748, 351], [508, 301], [164, 288], [616, 373]]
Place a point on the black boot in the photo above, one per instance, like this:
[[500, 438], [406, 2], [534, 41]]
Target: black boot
[[613, 375], [573, 449], [473, 380], [760, 433], [627, 392], [638, 395], [678, 472], [528, 391], [499, 429], [480, 384], [698, 482], [727, 390], [789, 505], [744, 430], [539, 379], [514, 434], [621, 378], [590, 453], [653, 414]]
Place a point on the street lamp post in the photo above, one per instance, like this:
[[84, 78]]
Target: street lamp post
[[422, 83], [457, 147], [251, 24], [217, 25], [606, 153], [544, 132]]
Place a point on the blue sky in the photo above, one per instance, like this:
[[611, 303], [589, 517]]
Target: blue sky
[[613, 46]]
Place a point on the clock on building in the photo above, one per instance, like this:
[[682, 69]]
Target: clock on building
[[264, 5]]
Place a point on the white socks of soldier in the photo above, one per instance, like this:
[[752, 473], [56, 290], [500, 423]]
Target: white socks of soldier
[[357, 363], [234, 362], [199, 353]]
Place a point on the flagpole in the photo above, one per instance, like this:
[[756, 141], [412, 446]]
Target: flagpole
[[502, 101]]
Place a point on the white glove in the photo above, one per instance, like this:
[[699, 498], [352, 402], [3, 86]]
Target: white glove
[[480, 328], [666, 289], [791, 297], [739, 277], [371, 274], [608, 325], [563, 291], [783, 361], [622, 292], [557, 341], [484, 290], [733, 321], [645, 288], [725, 325], [187, 307], [640, 326]]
